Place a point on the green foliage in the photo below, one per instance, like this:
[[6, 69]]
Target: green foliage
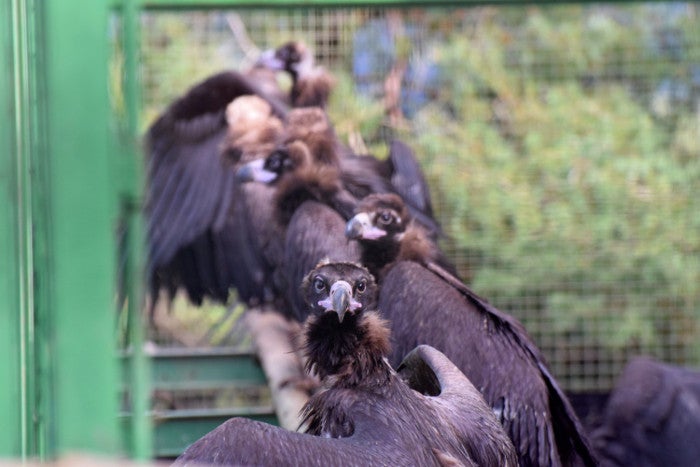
[[562, 190]]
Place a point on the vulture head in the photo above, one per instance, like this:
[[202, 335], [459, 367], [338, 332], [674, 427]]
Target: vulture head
[[293, 57], [387, 234], [339, 290], [311, 84], [380, 218], [309, 146]]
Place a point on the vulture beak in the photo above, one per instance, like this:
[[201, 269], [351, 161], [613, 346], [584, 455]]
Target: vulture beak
[[268, 59], [360, 227], [255, 171], [341, 300]]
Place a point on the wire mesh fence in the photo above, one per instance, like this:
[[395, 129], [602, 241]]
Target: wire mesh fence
[[562, 145]]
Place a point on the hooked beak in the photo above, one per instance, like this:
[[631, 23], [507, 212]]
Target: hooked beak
[[360, 228], [268, 59], [255, 172], [341, 300]]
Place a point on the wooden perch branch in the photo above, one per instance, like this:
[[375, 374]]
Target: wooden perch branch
[[274, 340]]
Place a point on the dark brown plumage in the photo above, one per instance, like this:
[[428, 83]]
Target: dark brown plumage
[[202, 229], [399, 173], [652, 417], [310, 204], [427, 305], [206, 231], [311, 84], [365, 414], [189, 192]]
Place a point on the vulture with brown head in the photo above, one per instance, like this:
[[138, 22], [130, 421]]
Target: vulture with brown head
[[208, 233], [310, 203], [425, 304], [204, 232], [361, 174], [366, 413], [311, 83], [191, 194]]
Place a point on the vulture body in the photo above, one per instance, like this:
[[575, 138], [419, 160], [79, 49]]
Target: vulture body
[[310, 203], [206, 231], [194, 225], [311, 84], [366, 414], [652, 417], [425, 304]]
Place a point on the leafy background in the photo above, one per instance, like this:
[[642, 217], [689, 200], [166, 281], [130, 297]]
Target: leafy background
[[562, 146]]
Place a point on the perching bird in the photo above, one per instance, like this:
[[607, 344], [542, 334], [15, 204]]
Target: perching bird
[[310, 203], [189, 190], [366, 414], [203, 234], [426, 305], [399, 173], [192, 208], [652, 417], [311, 84]]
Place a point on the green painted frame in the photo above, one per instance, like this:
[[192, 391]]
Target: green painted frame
[[58, 208]]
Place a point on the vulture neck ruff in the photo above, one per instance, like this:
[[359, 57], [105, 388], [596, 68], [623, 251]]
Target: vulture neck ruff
[[351, 353]]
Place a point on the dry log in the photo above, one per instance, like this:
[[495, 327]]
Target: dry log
[[274, 340]]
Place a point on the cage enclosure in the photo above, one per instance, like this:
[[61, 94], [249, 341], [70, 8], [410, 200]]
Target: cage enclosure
[[561, 144]]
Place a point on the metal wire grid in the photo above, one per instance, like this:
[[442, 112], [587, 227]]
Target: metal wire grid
[[181, 48]]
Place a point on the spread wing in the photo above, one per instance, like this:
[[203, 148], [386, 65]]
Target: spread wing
[[240, 441], [430, 372], [492, 350], [194, 228]]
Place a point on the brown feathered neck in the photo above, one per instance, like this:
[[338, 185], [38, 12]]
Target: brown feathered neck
[[350, 353], [317, 183], [311, 144], [312, 127], [312, 88], [413, 244]]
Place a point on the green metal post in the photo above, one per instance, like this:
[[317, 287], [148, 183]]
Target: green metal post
[[24, 205], [79, 273], [11, 376], [141, 442]]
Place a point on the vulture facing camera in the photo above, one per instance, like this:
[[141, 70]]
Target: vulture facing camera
[[365, 413]]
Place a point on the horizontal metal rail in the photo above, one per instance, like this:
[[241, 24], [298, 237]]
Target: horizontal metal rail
[[222, 4]]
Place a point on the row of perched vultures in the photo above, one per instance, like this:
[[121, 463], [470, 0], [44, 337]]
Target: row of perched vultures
[[249, 188]]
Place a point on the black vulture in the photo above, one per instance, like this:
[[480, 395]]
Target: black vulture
[[190, 194], [652, 417], [366, 414], [311, 84], [196, 221], [399, 173], [427, 305], [208, 233], [362, 174], [310, 204]]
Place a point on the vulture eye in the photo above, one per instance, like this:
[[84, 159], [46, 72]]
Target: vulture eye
[[385, 218], [276, 161], [319, 285], [361, 286]]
